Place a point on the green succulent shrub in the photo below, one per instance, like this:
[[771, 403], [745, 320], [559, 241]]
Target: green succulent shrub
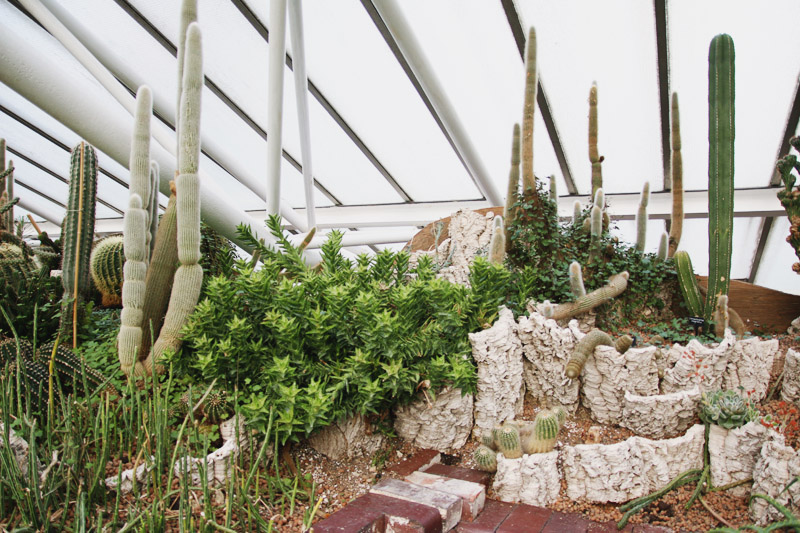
[[315, 345], [727, 408], [538, 273]]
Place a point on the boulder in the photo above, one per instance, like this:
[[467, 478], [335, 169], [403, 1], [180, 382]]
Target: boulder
[[443, 424]]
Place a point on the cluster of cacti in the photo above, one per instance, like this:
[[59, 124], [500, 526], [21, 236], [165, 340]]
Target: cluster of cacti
[[641, 217], [676, 172], [594, 155], [497, 245], [585, 347], [515, 438], [105, 266], [70, 372], [616, 285], [790, 197], [147, 279], [77, 235], [726, 408], [576, 280]]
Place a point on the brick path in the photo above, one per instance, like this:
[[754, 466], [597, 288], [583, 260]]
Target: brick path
[[437, 498]]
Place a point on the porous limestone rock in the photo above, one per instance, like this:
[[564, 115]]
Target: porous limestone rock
[[532, 479], [608, 374], [662, 415], [697, 365], [469, 234], [547, 348], [734, 452], [347, 438], [443, 424], [794, 327], [749, 366], [777, 465], [629, 469], [219, 463], [19, 447], [123, 482], [790, 392], [498, 354]]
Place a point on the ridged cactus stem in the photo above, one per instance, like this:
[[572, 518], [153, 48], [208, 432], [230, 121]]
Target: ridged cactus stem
[[531, 88], [676, 220], [721, 134], [77, 236], [106, 265], [576, 280], [553, 189], [583, 349], [513, 180], [497, 246], [544, 434], [616, 285], [189, 276], [663, 247], [641, 217], [153, 208], [623, 344], [596, 230], [688, 283], [188, 15], [485, 458], [140, 169], [129, 340], [508, 442], [594, 155]]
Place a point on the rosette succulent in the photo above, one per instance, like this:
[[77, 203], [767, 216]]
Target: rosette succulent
[[727, 409]]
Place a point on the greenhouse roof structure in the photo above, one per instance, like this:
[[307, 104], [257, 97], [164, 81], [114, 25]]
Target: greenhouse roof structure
[[409, 109]]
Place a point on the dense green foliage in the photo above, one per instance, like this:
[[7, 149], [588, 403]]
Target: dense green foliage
[[32, 304], [541, 275], [346, 337]]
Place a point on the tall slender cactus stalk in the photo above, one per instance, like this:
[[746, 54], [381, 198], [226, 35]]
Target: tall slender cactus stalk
[[676, 170]]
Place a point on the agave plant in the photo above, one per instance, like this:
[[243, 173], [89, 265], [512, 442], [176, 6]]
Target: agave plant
[[727, 409]]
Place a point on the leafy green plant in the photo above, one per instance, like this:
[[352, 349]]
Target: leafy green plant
[[315, 345], [727, 409]]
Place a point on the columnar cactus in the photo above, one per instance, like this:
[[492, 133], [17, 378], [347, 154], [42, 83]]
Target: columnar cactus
[[583, 349], [663, 247], [576, 213], [106, 265], [77, 235], [576, 280], [721, 134], [641, 217], [497, 246], [531, 88], [688, 283], [152, 211], [790, 197], [553, 189], [594, 155], [616, 285], [676, 220], [513, 180]]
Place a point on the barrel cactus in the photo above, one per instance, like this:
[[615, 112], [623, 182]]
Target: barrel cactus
[[508, 442], [485, 458], [216, 407], [105, 266], [727, 409]]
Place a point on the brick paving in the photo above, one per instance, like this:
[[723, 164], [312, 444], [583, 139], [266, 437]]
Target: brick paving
[[400, 506]]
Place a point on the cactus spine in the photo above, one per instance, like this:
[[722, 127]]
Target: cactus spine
[[594, 155], [508, 442], [544, 435], [77, 235], [663, 245], [616, 285], [641, 217], [189, 276], [676, 220], [513, 180], [623, 343], [721, 134], [576, 280], [688, 283], [485, 458], [497, 246], [105, 265], [583, 349]]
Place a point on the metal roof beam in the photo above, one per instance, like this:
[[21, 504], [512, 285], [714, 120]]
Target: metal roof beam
[[662, 52]]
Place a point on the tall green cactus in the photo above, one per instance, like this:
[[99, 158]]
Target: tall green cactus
[[721, 134], [641, 217], [531, 88], [77, 236], [513, 181], [594, 155], [676, 220], [688, 283]]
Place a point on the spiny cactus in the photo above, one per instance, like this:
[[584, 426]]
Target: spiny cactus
[[576, 280], [513, 180], [727, 409], [688, 283], [721, 134], [508, 442], [216, 407], [487, 438], [497, 246], [106, 265], [8, 351], [576, 213], [663, 245], [676, 220], [616, 285], [77, 235], [641, 217], [71, 371], [583, 349], [544, 435], [623, 344], [531, 88], [594, 155], [485, 458], [790, 197]]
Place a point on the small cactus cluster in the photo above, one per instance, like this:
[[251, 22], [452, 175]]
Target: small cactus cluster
[[513, 439], [69, 371], [727, 409]]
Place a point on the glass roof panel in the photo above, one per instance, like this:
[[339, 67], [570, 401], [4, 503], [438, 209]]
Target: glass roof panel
[[578, 43], [767, 66], [745, 236], [775, 270]]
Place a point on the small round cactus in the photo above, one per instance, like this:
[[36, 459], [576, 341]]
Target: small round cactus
[[105, 265], [508, 442], [485, 458], [216, 407], [487, 439]]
